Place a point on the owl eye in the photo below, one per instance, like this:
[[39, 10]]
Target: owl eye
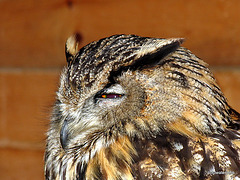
[[115, 91], [111, 96]]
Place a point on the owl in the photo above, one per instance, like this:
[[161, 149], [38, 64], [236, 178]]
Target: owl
[[131, 107]]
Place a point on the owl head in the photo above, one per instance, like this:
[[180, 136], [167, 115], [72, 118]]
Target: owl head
[[135, 86]]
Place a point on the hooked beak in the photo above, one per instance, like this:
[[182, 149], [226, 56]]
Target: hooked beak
[[64, 134]]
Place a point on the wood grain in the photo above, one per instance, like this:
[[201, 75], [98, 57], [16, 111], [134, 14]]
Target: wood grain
[[33, 33]]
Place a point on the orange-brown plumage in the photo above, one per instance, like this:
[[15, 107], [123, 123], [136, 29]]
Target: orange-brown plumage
[[131, 107]]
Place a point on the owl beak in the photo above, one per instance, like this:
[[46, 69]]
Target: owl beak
[[64, 134]]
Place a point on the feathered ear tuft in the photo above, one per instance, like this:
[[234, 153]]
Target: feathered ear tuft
[[155, 50], [72, 46]]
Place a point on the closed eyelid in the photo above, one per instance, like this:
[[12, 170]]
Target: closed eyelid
[[113, 92], [111, 96]]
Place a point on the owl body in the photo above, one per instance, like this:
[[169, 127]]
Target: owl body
[[131, 107]]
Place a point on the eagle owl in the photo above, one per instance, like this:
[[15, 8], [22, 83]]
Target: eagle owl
[[131, 107]]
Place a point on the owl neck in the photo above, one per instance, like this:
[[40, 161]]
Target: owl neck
[[101, 158], [113, 161]]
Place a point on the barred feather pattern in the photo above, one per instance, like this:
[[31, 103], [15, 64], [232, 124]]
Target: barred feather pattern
[[131, 107]]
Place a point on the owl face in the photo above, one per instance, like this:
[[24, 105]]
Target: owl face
[[126, 84], [110, 85]]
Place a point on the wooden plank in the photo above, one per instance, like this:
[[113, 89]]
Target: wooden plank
[[28, 96], [33, 33], [26, 106], [21, 164]]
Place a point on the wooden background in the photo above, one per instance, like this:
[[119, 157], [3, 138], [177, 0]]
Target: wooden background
[[32, 38]]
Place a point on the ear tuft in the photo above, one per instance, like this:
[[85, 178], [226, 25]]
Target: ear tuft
[[72, 46], [153, 51], [160, 45]]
